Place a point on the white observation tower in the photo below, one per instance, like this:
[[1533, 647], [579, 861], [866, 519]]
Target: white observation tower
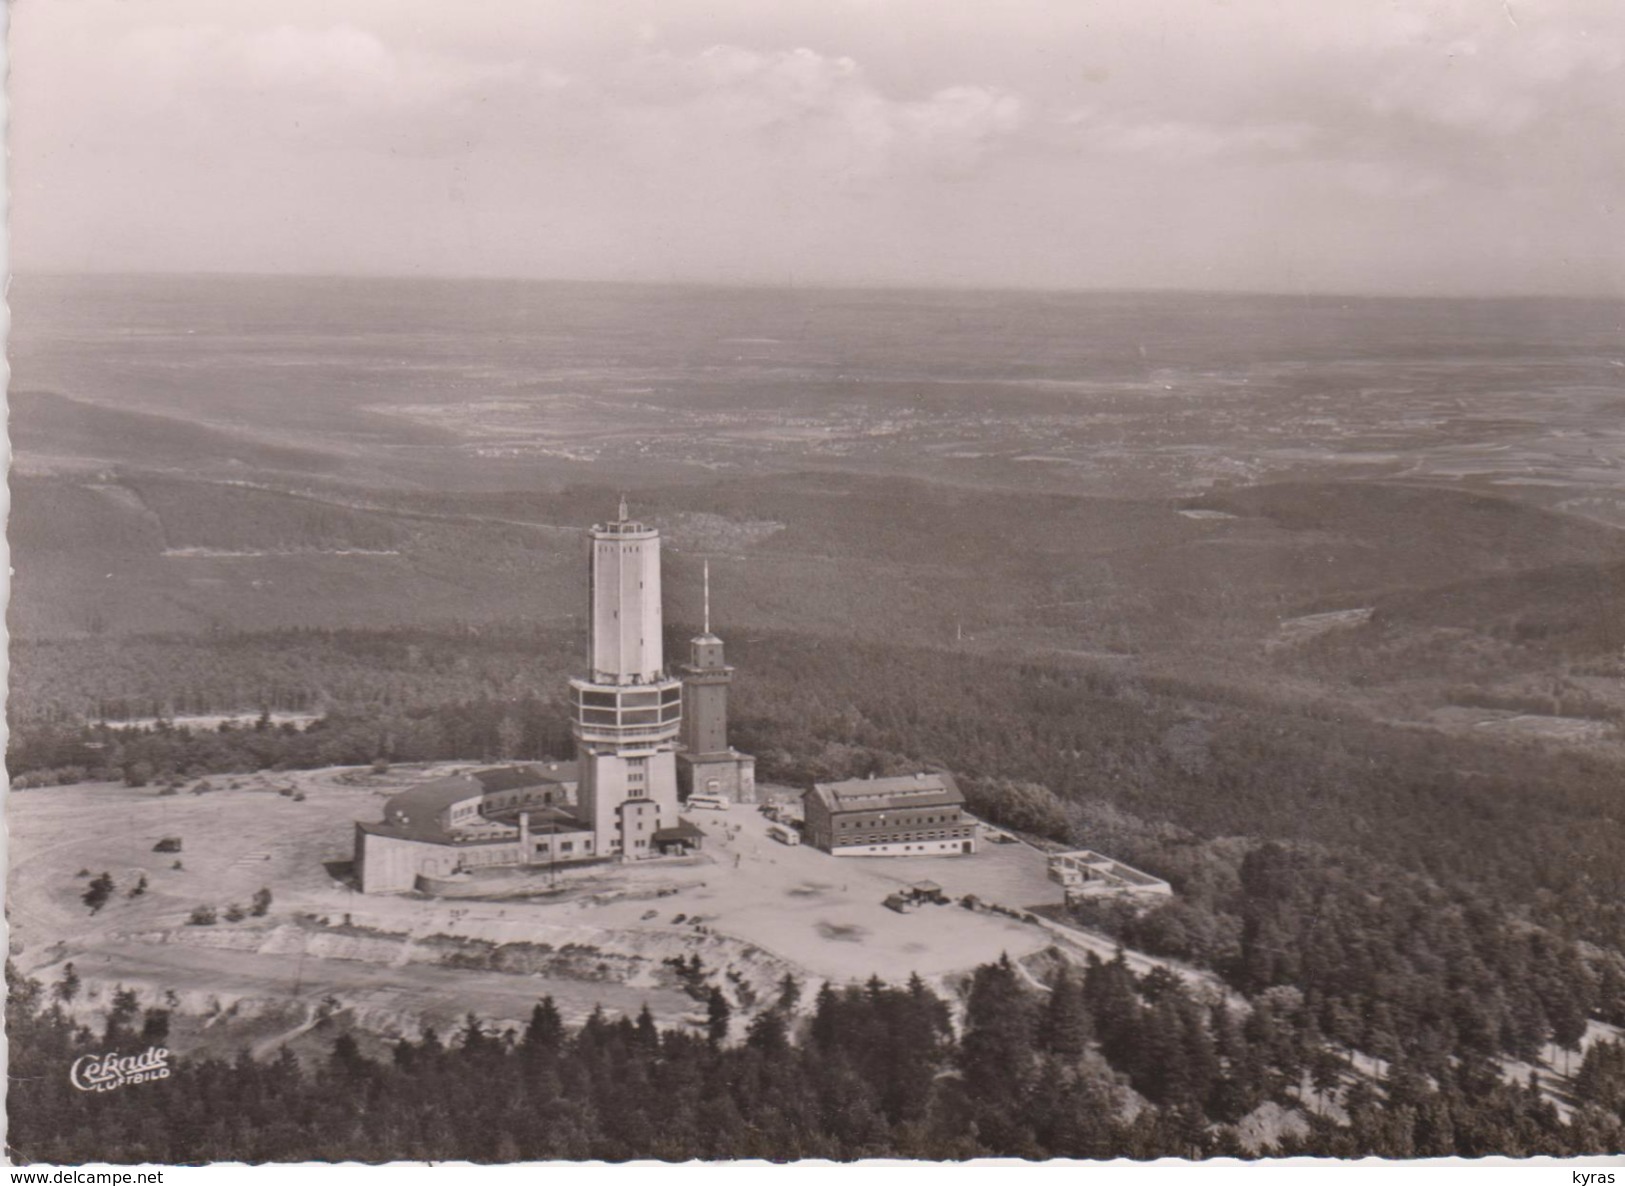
[[627, 713]]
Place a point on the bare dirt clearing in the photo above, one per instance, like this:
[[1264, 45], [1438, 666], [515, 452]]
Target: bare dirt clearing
[[750, 908]]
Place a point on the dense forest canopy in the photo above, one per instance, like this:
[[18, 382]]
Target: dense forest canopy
[[1101, 1064]]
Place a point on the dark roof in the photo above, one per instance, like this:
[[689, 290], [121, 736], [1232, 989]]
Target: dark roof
[[683, 830], [510, 778], [927, 789], [424, 802], [416, 810]]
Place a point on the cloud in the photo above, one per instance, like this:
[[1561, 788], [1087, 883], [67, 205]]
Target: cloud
[[333, 87], [809, 110], [1499, 83], [1175, 141], [340, 65], [1472, 68], [1033, 141]]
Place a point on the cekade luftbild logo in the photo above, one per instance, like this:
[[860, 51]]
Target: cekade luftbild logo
[[105, 1072]]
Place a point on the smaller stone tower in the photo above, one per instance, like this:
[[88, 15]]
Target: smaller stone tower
[[706, 763]]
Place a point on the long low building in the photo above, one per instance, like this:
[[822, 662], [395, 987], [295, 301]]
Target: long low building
[[913, 815], [1087, 874], [504, 816]]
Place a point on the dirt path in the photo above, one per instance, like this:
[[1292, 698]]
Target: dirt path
[[268, 1046]]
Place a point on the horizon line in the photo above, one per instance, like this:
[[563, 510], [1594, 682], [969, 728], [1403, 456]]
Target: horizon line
[[793, 285]]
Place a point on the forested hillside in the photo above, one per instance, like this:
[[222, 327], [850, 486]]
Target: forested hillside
[[1099, 1065], [1510, 818], [1421, 892]]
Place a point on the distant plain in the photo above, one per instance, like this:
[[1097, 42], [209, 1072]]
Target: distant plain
[[1384, 500]]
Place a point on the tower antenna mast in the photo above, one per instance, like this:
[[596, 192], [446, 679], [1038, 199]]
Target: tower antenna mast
[[707, 597]]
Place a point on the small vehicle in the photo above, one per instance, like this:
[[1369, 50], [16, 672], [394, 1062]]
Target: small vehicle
[[709, 802], [784, 835]]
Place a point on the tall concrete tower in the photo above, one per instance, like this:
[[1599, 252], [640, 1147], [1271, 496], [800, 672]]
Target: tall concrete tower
[[628, 711], [707, 764]]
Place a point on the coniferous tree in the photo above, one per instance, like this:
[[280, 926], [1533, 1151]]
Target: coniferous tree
[[1568, 1025], [789, 992], [126, 1006], [346, 1060], [1066, 1028], [826, 1025], [1114, 1007], [155, 1027], [545, 1033], [997, 1048], [67, 986], [648, 1034], [767, 1033], [717, 1014]]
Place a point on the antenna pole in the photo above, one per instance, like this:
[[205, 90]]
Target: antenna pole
[[708, 597]]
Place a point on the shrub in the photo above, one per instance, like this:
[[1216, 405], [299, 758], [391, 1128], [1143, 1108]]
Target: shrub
[[168, 844], [202, 916], [98, 892]]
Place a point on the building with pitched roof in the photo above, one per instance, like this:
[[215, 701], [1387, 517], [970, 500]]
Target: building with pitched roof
[[912, 815]]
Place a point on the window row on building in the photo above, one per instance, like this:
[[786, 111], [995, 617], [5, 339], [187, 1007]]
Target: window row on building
[[899, 823], [906, 837]]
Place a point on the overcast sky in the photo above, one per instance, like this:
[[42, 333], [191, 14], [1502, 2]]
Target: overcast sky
[[1285, 145]]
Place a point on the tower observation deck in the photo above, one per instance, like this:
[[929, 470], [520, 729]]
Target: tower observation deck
[[629, 698], [626, 714]]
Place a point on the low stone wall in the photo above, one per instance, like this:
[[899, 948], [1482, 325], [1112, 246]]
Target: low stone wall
[[507, 880]]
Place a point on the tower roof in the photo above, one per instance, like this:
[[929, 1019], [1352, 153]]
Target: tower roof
[[926, 789], [622, 521], [623, 524]]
